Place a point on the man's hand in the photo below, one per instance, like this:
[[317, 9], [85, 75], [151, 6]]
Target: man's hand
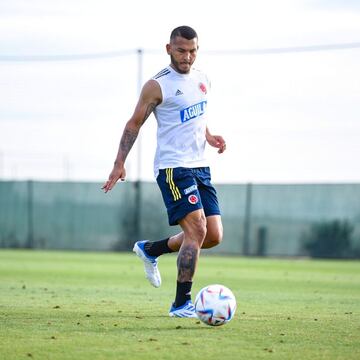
[[216, 141], [117, 173]]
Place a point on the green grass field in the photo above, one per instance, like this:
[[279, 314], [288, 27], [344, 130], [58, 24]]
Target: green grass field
[[73, 305]]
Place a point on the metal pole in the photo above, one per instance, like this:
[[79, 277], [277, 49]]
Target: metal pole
[[66, 167], [2, 166], [140, 53], [137, 212], [30, 211], [247, 221]]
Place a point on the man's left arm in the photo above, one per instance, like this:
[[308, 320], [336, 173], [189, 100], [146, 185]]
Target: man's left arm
[[216, 141]]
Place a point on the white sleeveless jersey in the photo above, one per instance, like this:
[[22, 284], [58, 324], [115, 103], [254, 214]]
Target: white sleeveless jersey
[[181, 119]]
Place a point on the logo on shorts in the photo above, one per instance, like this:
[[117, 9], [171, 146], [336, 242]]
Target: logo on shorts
[[190, 189], [193, 199]]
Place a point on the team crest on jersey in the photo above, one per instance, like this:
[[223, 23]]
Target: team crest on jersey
[[203, 88], [193, 199]]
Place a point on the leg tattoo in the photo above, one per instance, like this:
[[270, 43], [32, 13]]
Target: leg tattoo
[[186, 263]]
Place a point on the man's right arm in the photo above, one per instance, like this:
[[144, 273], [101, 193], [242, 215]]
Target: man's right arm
[[150, 97]]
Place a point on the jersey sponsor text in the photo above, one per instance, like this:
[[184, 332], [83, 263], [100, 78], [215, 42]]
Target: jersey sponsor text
[[193, 111]]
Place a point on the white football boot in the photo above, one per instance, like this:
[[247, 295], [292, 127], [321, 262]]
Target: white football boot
[[185, 311], [150, 263]]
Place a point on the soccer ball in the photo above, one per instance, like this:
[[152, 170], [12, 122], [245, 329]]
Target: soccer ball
[[215, 305]]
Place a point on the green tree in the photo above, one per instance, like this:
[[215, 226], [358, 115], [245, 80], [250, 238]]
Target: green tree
[[330, 239]]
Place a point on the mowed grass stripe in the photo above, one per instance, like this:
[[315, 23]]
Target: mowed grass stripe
[[81, 305]]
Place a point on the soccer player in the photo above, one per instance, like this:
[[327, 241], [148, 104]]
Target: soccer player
[[177, 96]]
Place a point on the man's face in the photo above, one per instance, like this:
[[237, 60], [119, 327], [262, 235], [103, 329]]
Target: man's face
[[182, 53]]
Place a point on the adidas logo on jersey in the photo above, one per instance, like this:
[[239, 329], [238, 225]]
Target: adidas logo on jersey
[[179, 92]]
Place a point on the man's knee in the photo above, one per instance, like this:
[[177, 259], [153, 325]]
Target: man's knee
[[199, 229], [215, 237], [214, 234], [194, 226]]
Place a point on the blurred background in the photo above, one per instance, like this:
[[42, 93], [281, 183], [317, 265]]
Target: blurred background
[[285, 96]]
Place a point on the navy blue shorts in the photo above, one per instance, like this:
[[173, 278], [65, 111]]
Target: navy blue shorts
[[185, 190]]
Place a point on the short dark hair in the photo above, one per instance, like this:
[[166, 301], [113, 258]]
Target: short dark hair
[[183, 31]]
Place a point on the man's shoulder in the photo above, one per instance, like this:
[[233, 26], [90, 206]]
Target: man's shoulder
[[164, 72], [198, 71], [201, 75]]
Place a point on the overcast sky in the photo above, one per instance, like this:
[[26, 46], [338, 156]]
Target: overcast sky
[[287, 116]]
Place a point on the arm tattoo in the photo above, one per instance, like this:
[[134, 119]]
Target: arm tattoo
[[150, 108], [127, 141], [129, 136], [186, 263]]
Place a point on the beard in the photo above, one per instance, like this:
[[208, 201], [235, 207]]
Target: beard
[[177, 66]]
